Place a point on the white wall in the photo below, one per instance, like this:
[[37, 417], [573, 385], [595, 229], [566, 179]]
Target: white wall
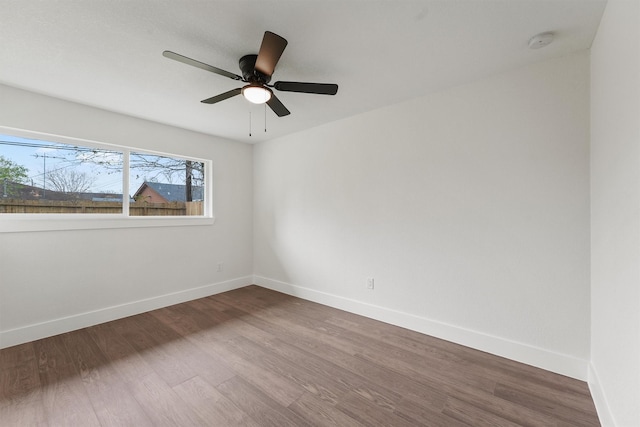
[[615, 211], [469, 207], [51, 282]]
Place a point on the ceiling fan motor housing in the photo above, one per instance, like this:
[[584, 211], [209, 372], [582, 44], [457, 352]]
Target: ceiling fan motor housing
[[249, 73]]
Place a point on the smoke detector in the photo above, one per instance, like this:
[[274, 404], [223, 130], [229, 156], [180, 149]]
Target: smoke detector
[[540, 40]]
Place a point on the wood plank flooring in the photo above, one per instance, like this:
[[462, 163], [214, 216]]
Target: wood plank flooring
[[254, 357]]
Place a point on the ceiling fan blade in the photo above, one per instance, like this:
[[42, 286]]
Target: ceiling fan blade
[[277, 106], [202, 65], [318, 88], [222, 96], [270, 52]]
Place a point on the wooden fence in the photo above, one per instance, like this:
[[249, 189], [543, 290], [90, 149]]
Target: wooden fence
[[90, 207]]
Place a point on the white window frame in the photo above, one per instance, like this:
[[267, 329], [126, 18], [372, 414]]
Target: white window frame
[[28, 222]]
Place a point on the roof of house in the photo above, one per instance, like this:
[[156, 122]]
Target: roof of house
[[173, 192]]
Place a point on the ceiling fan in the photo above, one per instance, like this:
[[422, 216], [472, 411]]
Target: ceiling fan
[[257, 71]]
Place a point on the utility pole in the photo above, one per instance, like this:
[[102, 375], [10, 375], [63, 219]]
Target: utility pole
[[44, 176]]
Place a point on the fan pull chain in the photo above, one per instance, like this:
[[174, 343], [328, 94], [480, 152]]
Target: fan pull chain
[[265, 118], [249, 123]]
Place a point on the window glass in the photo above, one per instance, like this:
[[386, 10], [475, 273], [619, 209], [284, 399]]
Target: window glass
[[46, 177], [165, 185], [52, 177]]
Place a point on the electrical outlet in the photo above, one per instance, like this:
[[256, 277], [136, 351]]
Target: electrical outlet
[[370, 283], [220, 267]]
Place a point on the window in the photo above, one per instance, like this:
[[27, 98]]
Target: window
[[54, 177]]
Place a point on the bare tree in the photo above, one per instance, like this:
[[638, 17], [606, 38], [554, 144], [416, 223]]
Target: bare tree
[[186, 171], [149, 166], [69, 181]]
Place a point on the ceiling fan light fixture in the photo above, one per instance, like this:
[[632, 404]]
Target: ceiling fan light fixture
[[256, 94], [257, 71]]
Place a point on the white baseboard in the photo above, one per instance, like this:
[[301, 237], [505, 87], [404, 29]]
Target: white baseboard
[[82, 320], [545, 359], [599, 398], [551, 361]]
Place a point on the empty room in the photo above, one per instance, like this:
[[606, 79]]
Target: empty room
[[320, 213]]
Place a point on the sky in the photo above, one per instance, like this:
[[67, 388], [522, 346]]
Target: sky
[[41, 157]]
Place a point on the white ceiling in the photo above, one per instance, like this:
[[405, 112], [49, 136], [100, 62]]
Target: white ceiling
[[108, 54]]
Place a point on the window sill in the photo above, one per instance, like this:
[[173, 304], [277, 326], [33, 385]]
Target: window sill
[[17, 223]]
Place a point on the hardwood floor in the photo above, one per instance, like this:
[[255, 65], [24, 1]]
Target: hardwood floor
[[254, 357]]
